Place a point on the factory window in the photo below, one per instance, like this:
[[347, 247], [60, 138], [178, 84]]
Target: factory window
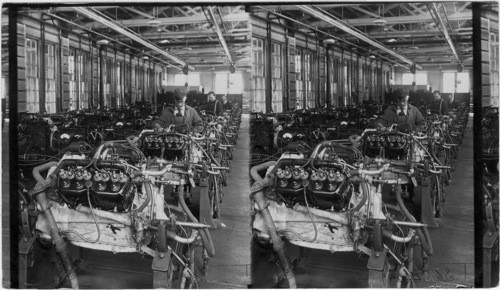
[[335, 81], [226, 83], [259, 82], [277, 77], [420, 78], [106, 79], [346, 80], [50, 78], [299, 79], [309, 76], [32, 76], [193, 79], [119, 84], [83, 100], [454, 82], [72, 80]]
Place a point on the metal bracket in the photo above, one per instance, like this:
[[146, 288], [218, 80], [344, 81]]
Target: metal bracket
[[377, 260], [161, 261], [490, 239], [26, 245]]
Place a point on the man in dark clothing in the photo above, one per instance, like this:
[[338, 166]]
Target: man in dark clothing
[[213, 107], [402, 114], [440, 105], [226, 105], [180, 114]]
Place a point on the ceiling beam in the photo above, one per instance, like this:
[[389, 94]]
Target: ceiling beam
[[195, 19], [92, 15], [320, 14], [219, 33], [432, 7], [408, 19], [149, 16], [365, 11]]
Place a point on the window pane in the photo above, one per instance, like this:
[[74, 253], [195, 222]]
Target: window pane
[[407, 79], [221, 85], [463, 82], [421, 78], [448, 82]]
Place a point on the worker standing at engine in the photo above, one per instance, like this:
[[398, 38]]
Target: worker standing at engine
[[440, 105], [226, 105], [404, 115], [180, 114], [213, 106]]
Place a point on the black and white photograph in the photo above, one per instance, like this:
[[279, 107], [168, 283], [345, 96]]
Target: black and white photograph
[[221, 145]]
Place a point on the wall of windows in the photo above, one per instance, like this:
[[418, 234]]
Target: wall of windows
[[258, 103], [83, 80], [32, 76], [50, 78], [277, 76], [299, 79]]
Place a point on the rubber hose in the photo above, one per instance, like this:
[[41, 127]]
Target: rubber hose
[[176, 238], [204, 233], [254, 171], [59, 242], [278, 244], [162, 242], [148, 198], [364, 189], [378, 244], [422, 234], [44, 167]]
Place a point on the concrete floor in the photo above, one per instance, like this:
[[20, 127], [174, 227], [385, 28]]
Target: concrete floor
[[452, 263]]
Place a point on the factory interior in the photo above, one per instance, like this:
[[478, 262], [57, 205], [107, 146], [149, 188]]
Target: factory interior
[[223, 145]]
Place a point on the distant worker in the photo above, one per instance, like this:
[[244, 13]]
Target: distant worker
[[402, 114], [180, 114], [440, 105], [226, 105], [213, 107]]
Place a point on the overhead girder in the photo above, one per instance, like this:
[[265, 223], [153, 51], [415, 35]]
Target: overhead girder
[[407, 19], [179, 20], [339, 24]]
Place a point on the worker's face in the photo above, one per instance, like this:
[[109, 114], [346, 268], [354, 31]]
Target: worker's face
[[211, 97], [403, 102], [224, 99], [181, 102], [437, 96]]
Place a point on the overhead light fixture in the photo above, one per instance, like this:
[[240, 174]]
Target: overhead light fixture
[[232, 68], [392, 40], [185, 69], [153, 23], [379, 22], [145, 57], [165, 41], [329, 41], [413, 47], [413, 69], [102, 41], [372, 56], [460, 68]]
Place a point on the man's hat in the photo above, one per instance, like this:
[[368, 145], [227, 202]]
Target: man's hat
[[179, 94], [401, 94]]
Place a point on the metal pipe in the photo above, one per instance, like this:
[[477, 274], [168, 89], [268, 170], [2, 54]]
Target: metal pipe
[[320, 14], [219, 34], [87, 12], [445, 31]]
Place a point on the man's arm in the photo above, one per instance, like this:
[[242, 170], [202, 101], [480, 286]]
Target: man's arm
[[444, 108], [419, 119], [384, 120]]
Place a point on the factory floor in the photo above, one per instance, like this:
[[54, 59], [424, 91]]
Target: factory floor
[[230, 268], [452, 263]]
